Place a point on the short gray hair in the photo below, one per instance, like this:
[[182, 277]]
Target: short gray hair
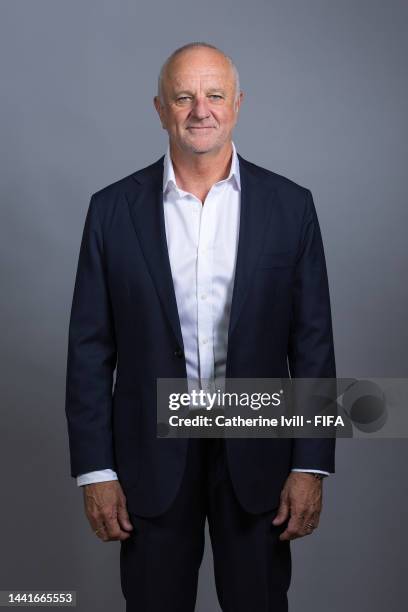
[[195, 45]]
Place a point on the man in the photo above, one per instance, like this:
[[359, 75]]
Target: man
[[206, 266]]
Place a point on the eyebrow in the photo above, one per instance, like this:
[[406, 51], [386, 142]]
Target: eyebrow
[[209, 90]]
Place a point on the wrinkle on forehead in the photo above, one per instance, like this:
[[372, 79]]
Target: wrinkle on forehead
[[204, 80], [179, 73]]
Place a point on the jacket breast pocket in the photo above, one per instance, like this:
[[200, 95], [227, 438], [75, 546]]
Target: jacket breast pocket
[[279, 259]]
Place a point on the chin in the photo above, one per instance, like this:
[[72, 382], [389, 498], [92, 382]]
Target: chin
[[198, 148], [203, 147]]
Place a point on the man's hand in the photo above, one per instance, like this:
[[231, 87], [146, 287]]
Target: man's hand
[[105, 508], [301, 500]]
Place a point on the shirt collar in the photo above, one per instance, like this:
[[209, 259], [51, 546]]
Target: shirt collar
[[169, 178]]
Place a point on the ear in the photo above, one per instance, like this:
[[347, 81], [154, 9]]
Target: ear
[[238, 101], [159, 109]]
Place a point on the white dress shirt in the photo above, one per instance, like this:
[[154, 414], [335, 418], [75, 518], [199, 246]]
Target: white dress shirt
[[202, 241]]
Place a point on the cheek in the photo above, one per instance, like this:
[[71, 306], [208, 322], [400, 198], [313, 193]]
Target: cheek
[[176, 120], [180, 122], [226, 118]]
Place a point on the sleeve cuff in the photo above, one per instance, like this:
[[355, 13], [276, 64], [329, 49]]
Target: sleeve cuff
[[97, 476], [313, 471]]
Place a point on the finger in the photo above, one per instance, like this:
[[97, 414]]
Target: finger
[[101, 533], [124, 520], [315, 519], [308, 516], [107, 526], [293, 530], [114, 530], [310, 524], [283, 514], [287, 535], [305, 526]]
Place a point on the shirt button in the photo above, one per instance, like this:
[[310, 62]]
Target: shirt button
[[178, 353], [203, 296], [205, 340]]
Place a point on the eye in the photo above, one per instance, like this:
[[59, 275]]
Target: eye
[[183, 98], [216, 96]]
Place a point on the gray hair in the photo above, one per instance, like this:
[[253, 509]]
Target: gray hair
[[195, 45]]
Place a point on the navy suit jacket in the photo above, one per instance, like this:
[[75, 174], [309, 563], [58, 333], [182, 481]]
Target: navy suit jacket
[[124, 316]]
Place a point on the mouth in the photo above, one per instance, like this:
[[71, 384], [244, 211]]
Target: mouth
[[208, 127]]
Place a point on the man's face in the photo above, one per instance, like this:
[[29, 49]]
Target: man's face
[[199, 109]]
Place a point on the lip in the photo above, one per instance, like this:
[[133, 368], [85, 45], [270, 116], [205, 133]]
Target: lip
[[208, 127]]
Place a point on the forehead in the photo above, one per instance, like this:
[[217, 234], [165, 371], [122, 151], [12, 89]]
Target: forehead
[[199, 68]]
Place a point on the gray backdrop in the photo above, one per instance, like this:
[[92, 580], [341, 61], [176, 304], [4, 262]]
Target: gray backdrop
[[326, 99]]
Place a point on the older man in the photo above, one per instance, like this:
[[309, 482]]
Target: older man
[[201, 266]]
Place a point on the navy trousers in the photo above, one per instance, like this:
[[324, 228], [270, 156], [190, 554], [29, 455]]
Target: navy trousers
[[160, 562]]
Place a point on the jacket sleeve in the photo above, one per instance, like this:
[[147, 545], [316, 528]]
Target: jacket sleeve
[[311, 349], [91, 357]]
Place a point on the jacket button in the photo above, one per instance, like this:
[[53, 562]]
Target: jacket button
[[179, 353]]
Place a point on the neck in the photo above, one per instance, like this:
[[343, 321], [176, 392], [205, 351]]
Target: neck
[[199, 172]]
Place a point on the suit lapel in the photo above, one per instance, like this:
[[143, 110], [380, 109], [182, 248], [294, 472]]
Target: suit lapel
[[254, 217], [147, 213]]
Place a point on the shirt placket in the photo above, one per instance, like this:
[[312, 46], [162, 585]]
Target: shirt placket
[[205, 323]]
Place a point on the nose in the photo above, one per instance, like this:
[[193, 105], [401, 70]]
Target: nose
[[200, 108]]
